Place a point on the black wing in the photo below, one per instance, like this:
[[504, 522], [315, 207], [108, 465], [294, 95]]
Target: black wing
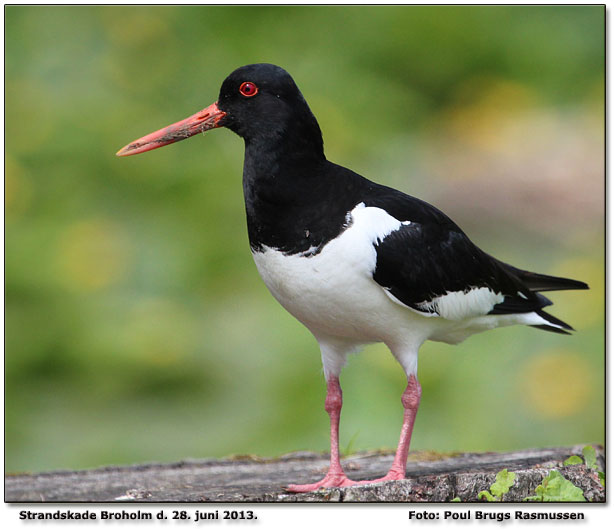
[[432, 257]]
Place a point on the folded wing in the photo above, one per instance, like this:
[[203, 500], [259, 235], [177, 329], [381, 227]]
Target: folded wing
[[432, 267]]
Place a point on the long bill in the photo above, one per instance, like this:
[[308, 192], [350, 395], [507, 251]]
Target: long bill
[[208, 118]]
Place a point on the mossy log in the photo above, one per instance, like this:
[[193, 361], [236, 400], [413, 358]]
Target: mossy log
[[431, 477]]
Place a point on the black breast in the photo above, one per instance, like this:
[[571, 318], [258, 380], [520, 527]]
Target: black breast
[[299, 211]]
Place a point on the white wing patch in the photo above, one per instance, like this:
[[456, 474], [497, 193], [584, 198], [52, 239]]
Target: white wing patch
[[459, 305], [374, 224]]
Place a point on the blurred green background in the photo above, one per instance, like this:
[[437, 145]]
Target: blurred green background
[[137, 328]]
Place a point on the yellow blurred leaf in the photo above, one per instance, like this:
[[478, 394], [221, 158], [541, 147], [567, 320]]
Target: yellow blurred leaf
[[556, 383], [92, 254]]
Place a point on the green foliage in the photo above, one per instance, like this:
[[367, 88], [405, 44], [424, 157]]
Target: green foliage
[[456, 499], [504, 481], [486, 495], [556, 488], [572, 460], [590, 457]]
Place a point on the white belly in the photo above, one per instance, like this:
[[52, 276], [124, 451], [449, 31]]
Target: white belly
[[333, 293]]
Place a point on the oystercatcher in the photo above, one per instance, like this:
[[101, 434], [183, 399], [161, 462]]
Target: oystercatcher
[[356, 262]]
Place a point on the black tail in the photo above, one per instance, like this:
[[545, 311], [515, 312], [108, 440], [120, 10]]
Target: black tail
[[542, 282], [558, 325], [535, 282], [552, 329]]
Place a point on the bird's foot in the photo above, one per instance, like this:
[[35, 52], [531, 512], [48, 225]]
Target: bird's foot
[[340, 480], [393, 474], [331, 480]]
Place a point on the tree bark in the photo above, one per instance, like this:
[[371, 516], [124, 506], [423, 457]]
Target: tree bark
[[431, 477]]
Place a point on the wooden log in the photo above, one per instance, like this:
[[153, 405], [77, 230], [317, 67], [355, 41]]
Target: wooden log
[[432, 477]]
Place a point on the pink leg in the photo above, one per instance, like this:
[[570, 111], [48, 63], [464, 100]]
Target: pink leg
[[411, 401], [335, 476]]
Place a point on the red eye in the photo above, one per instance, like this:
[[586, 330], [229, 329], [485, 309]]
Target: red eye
[[248, 89]]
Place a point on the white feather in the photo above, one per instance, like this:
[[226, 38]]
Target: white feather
[[459, 305]]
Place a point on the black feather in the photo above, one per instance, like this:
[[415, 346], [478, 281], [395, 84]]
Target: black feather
[[543, 282], [552, 329]]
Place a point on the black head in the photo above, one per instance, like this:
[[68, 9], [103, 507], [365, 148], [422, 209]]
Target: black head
[[263, 103], [259, 102]]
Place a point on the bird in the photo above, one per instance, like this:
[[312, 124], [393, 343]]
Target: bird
[[356, 262]]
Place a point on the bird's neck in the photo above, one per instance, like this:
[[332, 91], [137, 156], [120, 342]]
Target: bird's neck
[[281, 162], [284, 176], [283, 146]]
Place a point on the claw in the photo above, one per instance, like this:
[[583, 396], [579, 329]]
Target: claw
[[329, 481]]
